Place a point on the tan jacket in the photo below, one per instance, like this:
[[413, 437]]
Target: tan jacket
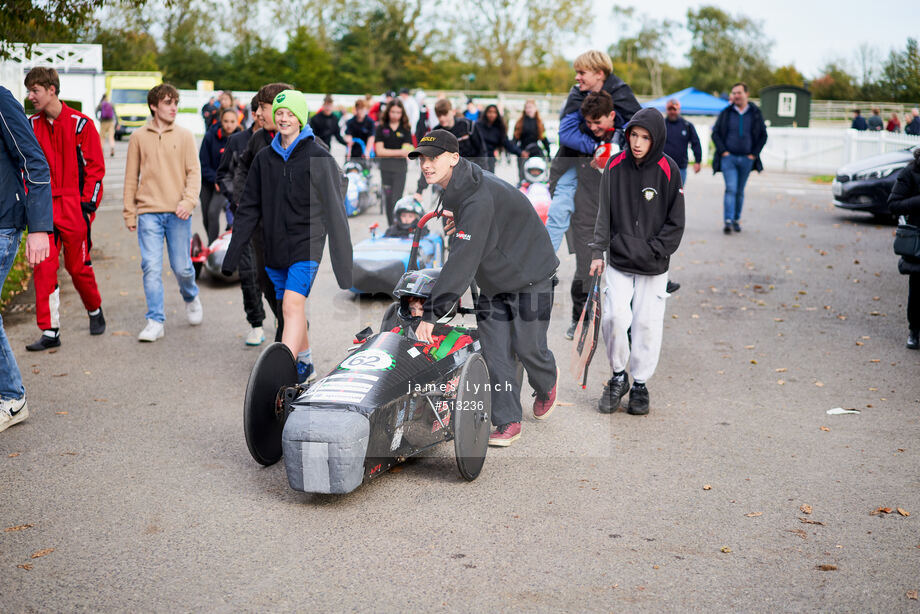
[[162, 172]]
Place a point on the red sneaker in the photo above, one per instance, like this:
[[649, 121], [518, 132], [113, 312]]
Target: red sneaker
[[542, 408], [505, 434]]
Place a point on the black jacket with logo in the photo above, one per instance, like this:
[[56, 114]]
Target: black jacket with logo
[[500, 240], [299, 202], [640, 218]]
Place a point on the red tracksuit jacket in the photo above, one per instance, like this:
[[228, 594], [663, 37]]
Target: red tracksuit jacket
[[74, 153]]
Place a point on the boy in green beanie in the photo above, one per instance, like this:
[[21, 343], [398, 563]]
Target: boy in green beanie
[[297, 190]]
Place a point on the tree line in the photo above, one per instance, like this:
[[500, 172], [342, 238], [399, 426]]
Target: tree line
[[352, 46]]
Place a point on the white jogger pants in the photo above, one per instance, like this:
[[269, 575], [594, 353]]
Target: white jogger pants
[[637, 302]]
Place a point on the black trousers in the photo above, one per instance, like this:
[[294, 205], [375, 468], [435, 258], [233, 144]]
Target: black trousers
[[265, 282], [252, 291], [489, 164], [394, 184], [512, 327], [913, 301], [212, 203], [579, 293]]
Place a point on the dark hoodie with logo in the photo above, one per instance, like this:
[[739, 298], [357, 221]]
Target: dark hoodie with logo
[[640, 219], [500, 240]]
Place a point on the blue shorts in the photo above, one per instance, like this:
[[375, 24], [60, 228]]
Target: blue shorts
[[297, 278]]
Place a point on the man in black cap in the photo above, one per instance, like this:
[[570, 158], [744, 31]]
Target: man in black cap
[[499, 240]]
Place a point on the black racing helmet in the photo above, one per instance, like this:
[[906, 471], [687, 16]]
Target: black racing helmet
[[416, 284]]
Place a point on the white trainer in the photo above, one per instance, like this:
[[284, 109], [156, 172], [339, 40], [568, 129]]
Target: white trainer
[[13, 411], [152, 332], [194, 312], [256, 336]]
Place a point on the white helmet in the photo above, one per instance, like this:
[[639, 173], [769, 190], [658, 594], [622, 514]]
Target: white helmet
[[535, 170]]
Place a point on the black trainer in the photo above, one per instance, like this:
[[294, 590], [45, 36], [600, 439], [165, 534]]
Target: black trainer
[[913, 340], [614, 390], [727, 229], [44, 342], [673, 287], [638, 400], [570, 333], [736, 226], [97, 323]]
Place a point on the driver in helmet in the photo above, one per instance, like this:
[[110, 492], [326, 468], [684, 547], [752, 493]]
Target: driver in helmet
[[413, 290], [406, 213], [535, 171]]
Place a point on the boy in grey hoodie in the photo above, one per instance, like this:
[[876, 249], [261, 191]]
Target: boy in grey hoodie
[[640, 222]]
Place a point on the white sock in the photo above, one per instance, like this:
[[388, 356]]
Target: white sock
[[51, 332], [95, 312], [306, 357]]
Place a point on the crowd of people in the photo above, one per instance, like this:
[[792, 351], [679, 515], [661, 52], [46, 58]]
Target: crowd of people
[[617, 185], [875, 122]]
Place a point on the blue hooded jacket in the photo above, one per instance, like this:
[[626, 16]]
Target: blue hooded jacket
[[306, 133], [22, 166]]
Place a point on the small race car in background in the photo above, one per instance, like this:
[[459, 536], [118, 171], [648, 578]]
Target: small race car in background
[[361, 193], [211, 257], [381, 260]]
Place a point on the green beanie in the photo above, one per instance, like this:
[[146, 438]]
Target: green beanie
[[293, 101]]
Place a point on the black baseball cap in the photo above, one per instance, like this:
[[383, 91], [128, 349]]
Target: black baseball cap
[[435, 143]]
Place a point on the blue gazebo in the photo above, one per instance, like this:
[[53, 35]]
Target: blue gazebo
[[692, 102]]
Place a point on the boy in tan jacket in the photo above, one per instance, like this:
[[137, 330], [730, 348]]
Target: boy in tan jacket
[[162, 180]]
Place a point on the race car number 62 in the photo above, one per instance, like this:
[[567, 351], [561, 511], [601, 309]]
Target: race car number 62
[[368, 360]]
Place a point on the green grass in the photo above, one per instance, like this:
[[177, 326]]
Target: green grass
[[822, 178], [18, 279]]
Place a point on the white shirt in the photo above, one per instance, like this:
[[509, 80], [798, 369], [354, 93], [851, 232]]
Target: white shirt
[[412, 110]]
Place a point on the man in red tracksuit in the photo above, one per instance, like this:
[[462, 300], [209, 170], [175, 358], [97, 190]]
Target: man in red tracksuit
[[71, 144]]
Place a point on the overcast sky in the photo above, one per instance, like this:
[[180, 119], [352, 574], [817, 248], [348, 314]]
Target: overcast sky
[[806, 33]]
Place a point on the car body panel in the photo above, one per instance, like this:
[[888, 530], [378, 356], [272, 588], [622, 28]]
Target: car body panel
[[855, 191]]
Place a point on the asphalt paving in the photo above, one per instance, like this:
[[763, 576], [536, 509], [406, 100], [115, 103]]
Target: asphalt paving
[[130, 487]]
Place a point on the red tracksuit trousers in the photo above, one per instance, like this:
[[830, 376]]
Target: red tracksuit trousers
[[74, 241]]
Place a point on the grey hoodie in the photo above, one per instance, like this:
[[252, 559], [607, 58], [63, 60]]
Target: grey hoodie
[[640, 219]]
